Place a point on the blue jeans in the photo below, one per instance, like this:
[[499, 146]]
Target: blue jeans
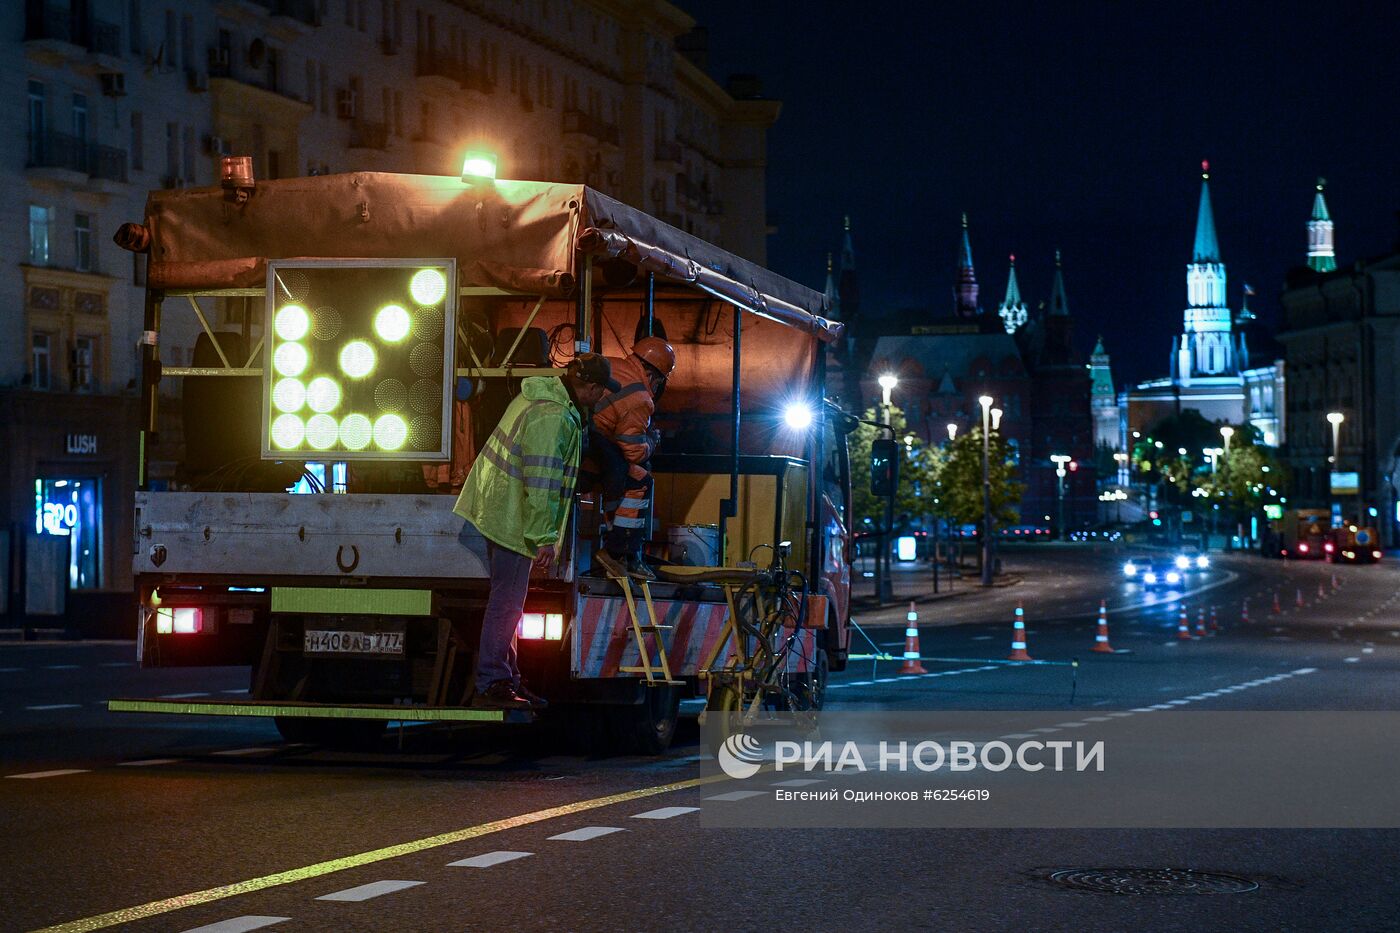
[[510, 580]]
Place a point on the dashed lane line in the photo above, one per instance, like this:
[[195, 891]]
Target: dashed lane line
[[236, 752], [131, 915], [587, 833], [489, 859], [797, 782], [664, 813], [365, 892], [737, 795], [148, 762], [60, 772], [239, 924], [52, 706]]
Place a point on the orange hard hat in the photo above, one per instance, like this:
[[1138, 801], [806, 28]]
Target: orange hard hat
[[656, 353]]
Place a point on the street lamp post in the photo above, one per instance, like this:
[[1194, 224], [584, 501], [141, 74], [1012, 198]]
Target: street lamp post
[[1335, 418], [1060, 460], [884, 583], [1227, 432], [986, 402]]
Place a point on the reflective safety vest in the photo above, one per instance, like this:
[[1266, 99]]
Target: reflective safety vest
[[521, 486], [625, 415]]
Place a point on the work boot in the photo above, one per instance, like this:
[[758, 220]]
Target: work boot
[[536, 701], [638, 569], [500, 695], [610, 564]]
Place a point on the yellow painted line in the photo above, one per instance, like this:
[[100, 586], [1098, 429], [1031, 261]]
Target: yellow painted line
[[307, 872]]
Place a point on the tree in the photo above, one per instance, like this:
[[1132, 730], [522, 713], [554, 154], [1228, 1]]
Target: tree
[[1243, 479], [961, 479], [918, 471]]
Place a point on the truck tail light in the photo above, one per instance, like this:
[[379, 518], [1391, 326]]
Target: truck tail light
[[179, 620], [1376, 555], [1303, 548], [541, 625], [1328, 547]]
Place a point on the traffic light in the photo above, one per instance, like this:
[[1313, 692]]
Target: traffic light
[[360, 355], [884, 467]]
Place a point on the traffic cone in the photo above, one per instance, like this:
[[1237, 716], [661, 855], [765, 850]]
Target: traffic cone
[[1299, 599], [1183, 627], [1214, 625], [911, 663], [1336, 585], [1244, 613], [1018, 637], [1201, 623], [1278, 609], [1101, 645]]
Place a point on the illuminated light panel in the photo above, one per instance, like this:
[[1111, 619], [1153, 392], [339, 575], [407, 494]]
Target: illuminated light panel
[[392, 323], [356, 431], [289, 395], [290, 359], [292, 322], [428, 286], [287, 431], [323, 394], [357, 359], [188, 620], [531, 625], [554, 626], [390, 432], [321, 431]]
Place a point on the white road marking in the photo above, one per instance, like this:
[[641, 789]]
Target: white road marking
[[239, 924], [239, 690], [147, 762], [40, 709], [1046, 731], [489, 859], [115, 664], [1097, 719], [1368, 650], [182, 696], [1070, 725], [664, 813], [366, 891], [242, 751], [885, 680], [797, 782], [738, 795], [61, 667], [1351, 660], [856, 683], [1018, 735], [16, 670], [43, 774], [981, 638], [587, 833]]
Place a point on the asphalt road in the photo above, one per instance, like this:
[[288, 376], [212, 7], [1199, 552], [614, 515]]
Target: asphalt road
[[170, 824]]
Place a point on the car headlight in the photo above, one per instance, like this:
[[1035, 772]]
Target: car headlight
[[1149, 577], [1202, 562], [1130, 569], [1182, 562], [1173, 577]]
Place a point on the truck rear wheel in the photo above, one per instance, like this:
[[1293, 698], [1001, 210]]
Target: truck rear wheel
[[348, 734], [648, 727]]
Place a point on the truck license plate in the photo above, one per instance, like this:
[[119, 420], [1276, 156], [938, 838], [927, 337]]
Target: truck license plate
[[319, 642]]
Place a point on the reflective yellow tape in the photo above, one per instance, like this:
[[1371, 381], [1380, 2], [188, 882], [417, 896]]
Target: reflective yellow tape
[[310, 711], [306, 872]]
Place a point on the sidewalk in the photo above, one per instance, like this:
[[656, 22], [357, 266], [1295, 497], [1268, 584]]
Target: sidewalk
[[915, 584]]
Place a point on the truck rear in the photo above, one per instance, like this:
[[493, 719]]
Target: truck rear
[[359, 337]]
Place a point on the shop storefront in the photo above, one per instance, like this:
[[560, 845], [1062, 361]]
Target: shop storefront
[[70, 464]]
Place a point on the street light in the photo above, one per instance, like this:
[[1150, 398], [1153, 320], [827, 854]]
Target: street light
[[1227, 432], [952, 431], [1335, 418], [1060, 460], [887, 383], [986, 402], [884, 589], [996, 419]]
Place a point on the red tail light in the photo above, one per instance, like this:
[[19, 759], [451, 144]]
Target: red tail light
[[1328, 547], [179, 620], [1302, 549]]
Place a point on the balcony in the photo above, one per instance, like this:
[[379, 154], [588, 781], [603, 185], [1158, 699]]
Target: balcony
[[580, 123], [72, 159], [367, 135], [60, 34], [444, 71]]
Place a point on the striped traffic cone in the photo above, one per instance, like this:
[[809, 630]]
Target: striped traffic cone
[[1298, 599], [1183, 627], [1201, 623], [1018, 637], [1101, 645], [911, 663], [1244, 613], [1214, 625], [1278, 608]]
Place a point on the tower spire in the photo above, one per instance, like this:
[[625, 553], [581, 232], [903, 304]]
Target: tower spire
[[1059, 304], [1207, 246], [1012, 309], [1322, 255], [833, 297], [966, 295]]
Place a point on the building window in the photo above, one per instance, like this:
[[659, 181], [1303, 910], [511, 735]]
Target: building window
[[167, 49], [36, 121], [133, 26], [82, 242], [40, 220], [138, 143], [325, 88], [39, 360], [84, 353]]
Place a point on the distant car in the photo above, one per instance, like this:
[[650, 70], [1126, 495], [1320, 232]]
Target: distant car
[[1191, 558], [1150, 571]]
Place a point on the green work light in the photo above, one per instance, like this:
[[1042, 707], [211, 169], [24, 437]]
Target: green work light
[[361, 359]]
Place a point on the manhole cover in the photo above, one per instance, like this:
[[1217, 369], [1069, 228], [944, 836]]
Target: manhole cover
[[1150, 881]]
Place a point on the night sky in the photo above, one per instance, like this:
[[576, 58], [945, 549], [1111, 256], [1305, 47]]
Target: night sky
[[1077, 126]]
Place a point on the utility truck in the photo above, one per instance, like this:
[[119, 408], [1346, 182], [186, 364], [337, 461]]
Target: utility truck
[[359, 336]]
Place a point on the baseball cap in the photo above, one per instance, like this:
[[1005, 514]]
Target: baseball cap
[[590, 367]]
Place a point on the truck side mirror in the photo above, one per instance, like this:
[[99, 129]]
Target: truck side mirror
[[884, 467]]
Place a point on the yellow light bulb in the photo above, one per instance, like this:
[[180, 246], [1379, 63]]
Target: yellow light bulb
[[321, 431], [390, 432], [292, 322], [356, 432], [428, 286], [290, 359], [357, 359], [288, 395], [323, 394], [287, 431], [392, 323]]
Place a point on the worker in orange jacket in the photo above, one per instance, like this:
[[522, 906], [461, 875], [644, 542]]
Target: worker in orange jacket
[[621, 443]]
